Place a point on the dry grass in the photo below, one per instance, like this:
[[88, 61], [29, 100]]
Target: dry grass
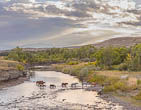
[[117, 73], [132, 82], [8, 64]]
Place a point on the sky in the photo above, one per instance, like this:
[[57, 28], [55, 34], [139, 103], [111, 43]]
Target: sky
[[63, 23]]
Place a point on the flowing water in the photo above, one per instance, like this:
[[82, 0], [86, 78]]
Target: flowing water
[[27, 96]]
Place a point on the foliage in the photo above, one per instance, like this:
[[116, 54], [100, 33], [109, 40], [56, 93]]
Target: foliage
[[138, 96], [72, 62], [138, 82], [20, 67], [117, 85], [107, 58]]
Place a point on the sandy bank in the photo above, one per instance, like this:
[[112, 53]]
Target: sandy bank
[[13, 82]]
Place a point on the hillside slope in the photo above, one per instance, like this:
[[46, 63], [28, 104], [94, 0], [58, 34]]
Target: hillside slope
[[118, 42]]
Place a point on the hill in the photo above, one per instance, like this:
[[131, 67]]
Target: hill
[[118, 42]]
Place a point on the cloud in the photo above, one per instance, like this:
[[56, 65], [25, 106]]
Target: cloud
[[115, 11], [22, 1], [45, 22]]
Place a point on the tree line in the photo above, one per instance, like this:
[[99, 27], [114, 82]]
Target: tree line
[[120, 58]]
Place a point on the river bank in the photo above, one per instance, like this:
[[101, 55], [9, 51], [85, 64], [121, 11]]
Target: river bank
[[13, 82], [11, 73]]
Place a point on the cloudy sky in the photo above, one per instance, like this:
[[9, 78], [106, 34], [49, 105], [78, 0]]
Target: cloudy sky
[[62, 23]]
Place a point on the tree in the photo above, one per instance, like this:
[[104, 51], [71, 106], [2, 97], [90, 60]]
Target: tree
[[17, 54], [83, 73]]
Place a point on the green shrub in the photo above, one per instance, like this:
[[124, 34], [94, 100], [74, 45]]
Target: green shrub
[[120, 85], [123, 66], [97, 78], [108, 89], [138, 82], [72, 63], [111, 80], [138, 96], [20, 67]]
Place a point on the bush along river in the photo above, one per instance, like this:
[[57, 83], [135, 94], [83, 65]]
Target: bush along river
[[29, 96]]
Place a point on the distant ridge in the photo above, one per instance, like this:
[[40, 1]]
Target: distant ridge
[[119, 42], [115, 42]]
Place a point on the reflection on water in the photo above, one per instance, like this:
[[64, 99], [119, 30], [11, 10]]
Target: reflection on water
[[52, 77], [30, 97]]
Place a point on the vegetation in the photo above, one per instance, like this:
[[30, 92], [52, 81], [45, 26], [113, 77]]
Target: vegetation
[[138, 96], [20, 67], [8, 64], [108, 58]]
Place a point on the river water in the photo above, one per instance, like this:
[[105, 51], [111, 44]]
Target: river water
[[27, 96]]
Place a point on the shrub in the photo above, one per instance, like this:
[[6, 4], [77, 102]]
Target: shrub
[[108, 89], [138, 82], [72, 62], [138, 96], [20, 67], [120, 85], [66, 70], [123, 66], [92, 63], [97, 78], [111, 80]]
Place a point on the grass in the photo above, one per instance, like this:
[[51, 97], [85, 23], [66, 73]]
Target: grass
[[72, 62], [139, 82], [138, 96], [116, 73], [117, 86], [111, 84], [8, 64]]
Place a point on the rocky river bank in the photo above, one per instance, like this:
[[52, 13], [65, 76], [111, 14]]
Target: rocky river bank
[[11, 77], [9, 74]]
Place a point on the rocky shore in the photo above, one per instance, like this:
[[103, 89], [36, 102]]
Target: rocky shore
[[11, 77], [114, 99], [110, 97], [10, 73]]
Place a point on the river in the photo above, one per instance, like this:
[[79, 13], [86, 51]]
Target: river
[[27, 96]]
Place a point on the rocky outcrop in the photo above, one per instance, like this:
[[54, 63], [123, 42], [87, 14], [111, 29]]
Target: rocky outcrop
[[9, 74]]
